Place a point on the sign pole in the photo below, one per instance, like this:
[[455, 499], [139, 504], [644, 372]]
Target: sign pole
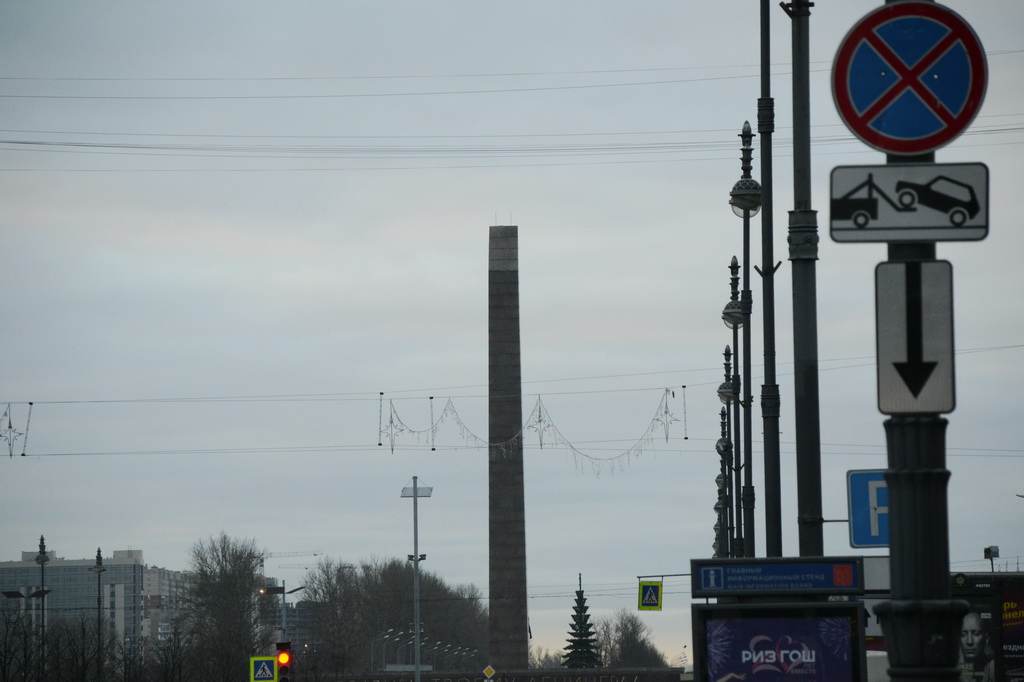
[[921, 622], [885, 80]]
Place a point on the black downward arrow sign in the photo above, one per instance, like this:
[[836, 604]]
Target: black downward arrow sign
[[915, 371]]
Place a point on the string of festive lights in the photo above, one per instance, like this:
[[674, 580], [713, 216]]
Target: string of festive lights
[[538, 427]]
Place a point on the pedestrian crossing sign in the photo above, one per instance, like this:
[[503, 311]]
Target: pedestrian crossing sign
[[263, 669], [649, 598]]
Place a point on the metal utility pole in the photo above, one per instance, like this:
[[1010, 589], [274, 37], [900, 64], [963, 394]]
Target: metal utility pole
[[770, 400], [416, 492], [803, 253], [98, 570]]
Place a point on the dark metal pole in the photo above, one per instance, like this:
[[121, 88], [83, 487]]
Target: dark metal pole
[[726, 395], [746, 303], [733, 312], [770, 400], [803, 252], [745, 199], [41, 559], [98, 570], [921, 620], [723, 547]]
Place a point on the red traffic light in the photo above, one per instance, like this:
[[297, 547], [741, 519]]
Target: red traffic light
[[284, 659]]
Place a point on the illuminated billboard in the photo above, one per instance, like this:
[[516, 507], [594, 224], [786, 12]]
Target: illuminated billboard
[[813, 642]]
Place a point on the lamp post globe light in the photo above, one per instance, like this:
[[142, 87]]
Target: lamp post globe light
[[745, 199]]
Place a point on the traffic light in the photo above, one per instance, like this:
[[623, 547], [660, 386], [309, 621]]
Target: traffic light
[[284, 661]]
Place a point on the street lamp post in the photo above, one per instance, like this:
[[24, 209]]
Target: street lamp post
[[727, 393], [992, 553], [42, 558], [416, 492], [723, 529], [733, 317], [384, 650], [98, 569], [745, 199], [382, 638]]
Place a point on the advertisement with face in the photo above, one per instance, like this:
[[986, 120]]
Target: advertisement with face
[[977, 653], [989, 632], [804, 643]]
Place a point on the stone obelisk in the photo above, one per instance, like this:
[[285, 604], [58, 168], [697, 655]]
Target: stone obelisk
[[509, 647]]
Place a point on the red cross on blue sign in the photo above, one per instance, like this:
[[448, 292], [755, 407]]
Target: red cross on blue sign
[[909, 77]]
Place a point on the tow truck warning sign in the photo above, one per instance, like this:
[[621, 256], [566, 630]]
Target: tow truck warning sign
[[909, 203]]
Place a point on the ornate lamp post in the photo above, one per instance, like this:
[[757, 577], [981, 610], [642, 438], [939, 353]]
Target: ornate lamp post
[[98, 569], [733, 317], [723, 528], [745, 199], [728, 393], [42, 558]]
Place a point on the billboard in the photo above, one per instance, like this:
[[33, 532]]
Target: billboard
[[992, 633], [813, 642]]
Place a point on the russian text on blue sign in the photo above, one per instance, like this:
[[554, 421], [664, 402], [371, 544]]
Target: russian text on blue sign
[[827, 575], [868, 496]]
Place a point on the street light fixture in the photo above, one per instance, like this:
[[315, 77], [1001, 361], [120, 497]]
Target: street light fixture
[[745, 199], [416, 492], [992, 553]]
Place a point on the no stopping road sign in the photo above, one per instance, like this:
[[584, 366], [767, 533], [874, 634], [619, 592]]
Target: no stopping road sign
[[909, 77]]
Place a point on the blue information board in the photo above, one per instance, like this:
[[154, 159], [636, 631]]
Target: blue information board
[[827, 575]]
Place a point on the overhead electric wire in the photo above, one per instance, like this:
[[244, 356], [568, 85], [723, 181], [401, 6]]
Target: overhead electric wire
[[374, 396]]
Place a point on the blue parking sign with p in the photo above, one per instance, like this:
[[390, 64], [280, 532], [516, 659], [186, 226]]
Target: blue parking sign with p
[[869, 508]]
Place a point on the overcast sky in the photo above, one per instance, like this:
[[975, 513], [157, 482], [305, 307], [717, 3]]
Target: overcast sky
[[228, 227]]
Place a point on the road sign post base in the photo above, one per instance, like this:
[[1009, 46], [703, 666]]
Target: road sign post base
[[920, 638], [921, 624]]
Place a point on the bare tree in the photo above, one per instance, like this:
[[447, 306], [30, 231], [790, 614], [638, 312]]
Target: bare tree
[[542, 659], [605, 640], [363, 618], [630, 645], [17, 645], [227, 617], [170, 660], [332, 587]]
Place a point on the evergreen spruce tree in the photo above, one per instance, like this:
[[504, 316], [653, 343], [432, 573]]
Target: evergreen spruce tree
[[581, 651]]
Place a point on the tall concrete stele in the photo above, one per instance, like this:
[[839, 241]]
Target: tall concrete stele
[[508, 643]]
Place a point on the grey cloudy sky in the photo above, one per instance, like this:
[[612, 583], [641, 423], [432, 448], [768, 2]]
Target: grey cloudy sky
[[229, 226]]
